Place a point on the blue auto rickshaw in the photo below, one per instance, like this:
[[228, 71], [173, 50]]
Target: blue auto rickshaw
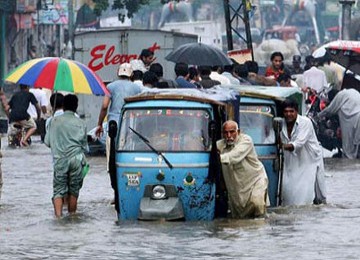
[[163, 154]]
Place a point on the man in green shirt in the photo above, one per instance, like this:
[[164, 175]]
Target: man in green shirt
[[68, 141]]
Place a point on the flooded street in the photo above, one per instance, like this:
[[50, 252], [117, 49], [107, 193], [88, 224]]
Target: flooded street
[[28, 229]]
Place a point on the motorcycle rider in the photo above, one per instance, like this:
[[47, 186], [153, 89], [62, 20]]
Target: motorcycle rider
[[18, 114]]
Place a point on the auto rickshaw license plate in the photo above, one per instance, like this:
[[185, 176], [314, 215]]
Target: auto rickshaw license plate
[[133, 179]]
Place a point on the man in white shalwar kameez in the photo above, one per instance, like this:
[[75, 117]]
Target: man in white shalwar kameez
[[346, 104], [303, 174], [244, 175]]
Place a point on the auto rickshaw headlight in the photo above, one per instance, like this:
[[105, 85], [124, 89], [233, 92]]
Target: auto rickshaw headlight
[[158, 192]]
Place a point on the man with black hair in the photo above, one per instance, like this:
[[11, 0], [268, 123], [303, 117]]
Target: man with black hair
[[229, 73], [206, 81], [330, 72], [296, 65], [137, 78], [43, 102], [57, 105], [67, 138], [157, 68], [216, 74], [284, 80], [254, 77], [182, 76], [147, 57], [149, 79], [241, 73], [303, 176]]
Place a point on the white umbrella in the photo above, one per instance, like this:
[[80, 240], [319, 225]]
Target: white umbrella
[[319, 52]]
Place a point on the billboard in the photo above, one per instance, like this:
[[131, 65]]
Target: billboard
[[25, 6], [56, 13]]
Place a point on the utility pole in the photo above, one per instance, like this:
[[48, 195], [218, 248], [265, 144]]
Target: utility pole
[[3, 46], [346, 18], [71, 24], [234, 13]]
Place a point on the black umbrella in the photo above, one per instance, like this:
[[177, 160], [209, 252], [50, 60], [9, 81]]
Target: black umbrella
[[199, 54], [347, 55]]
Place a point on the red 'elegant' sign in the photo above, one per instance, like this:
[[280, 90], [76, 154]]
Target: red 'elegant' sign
[[102, 55]]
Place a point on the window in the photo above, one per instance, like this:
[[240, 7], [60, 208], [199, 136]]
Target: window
[[257, 122]]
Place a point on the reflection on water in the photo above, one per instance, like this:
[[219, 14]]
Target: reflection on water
[[28, 229]]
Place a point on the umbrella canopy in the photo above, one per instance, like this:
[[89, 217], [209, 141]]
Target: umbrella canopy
[[58, 74], [320, 52], [199, 54], [347, 54]]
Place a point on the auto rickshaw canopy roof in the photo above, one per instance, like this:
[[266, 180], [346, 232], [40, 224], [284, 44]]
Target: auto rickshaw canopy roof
[[214, 96]]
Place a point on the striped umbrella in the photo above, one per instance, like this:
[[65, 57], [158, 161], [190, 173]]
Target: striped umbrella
[[58, 74]]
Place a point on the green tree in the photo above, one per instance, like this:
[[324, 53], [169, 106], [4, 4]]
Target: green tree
[[132, 6], [101, 5]]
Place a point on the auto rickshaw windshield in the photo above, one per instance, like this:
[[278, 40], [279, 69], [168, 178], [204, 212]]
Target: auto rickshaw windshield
[[256, 121], [165, 129]]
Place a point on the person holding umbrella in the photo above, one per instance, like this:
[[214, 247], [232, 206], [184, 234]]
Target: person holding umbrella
[[67, 138]]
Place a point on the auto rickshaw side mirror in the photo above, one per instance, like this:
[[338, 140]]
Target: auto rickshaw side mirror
[[112, 130]]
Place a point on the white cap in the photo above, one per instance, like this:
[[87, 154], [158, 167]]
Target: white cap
[[138, 65], [125, 69]]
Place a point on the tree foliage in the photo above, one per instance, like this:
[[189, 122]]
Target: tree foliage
[[132, 6], [101, 5], [7, 6]]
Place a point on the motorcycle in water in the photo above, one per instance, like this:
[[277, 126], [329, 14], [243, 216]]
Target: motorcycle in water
[[327, 129], [15, 135]]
